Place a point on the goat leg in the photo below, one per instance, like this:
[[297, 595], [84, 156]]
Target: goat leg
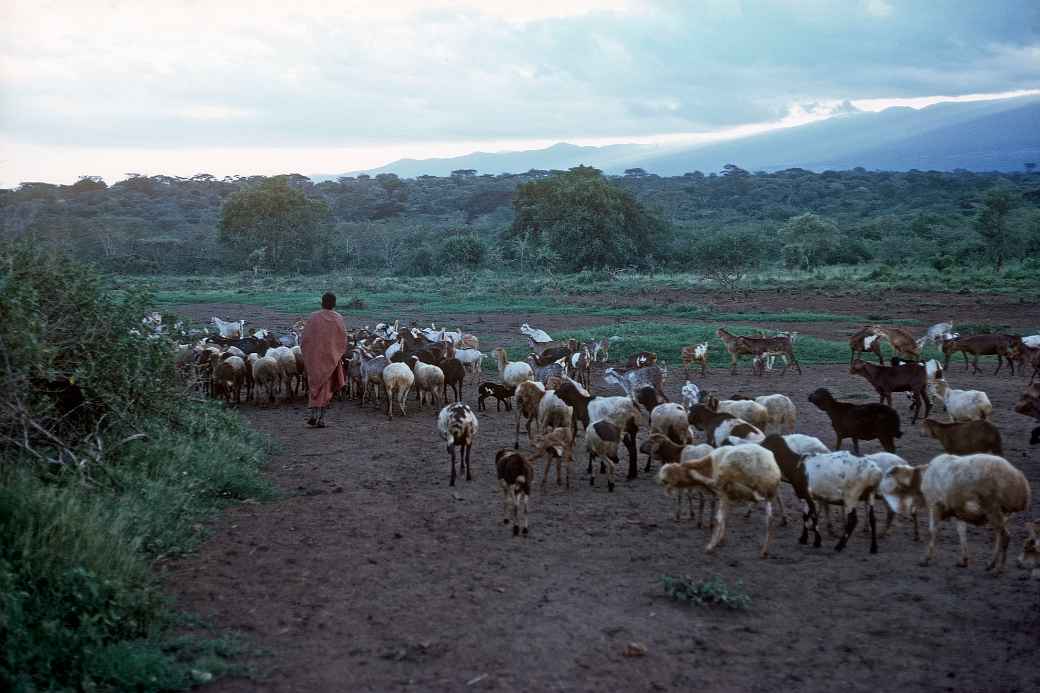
[[850, 527]]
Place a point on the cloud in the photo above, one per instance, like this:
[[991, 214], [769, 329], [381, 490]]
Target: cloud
[[304, 76]]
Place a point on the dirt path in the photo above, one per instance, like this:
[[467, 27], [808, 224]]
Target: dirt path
[[373, 574]]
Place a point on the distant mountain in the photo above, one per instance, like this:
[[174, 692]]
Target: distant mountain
[[998, 135]]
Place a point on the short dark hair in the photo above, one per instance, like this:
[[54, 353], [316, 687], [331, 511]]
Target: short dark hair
[[328, 300]]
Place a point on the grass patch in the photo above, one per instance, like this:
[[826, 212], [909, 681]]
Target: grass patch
[[710, 592]]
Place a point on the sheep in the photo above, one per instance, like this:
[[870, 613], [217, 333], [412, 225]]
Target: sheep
[[428, 379], [371, 373], [553, 412], [966, 437], [738, 474], [228, 378], [670, 420], [889, 379], [502, 394], [620, 411], [458, 425], [1030, 556], [287, 362], [265, 373], [397, 383], [792, 470], [528, 396], [864, 341], [721, 428], [676, 479], [555, 443], [886, 461], [301, 368], [977, 489], [805, 445], [748, 410], [781, 413], [672, 455], [472, 360], [695, 354], [859, 421], [964, 405], [840, 478], [511, 373], [514, 480]]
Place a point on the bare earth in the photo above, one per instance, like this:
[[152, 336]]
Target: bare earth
[[373, 574]]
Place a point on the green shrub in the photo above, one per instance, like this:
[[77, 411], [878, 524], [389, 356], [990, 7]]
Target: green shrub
[[707, 592], [106, 464]]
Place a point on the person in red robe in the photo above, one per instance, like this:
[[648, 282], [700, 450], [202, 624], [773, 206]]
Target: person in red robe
[[323, 343]]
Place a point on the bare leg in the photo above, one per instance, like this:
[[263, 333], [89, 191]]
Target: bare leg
[[962, 533], [933, 530], [769, 528]]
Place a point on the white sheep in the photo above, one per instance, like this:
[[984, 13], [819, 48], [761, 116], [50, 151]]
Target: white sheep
[[528, 397], [668, 419], [601, 440], [287, 363], [804, 445], [841, 478], [674, 477], [458, 425], [512, 373], [473, 361], [553, 412], [428, 380], [228, 330], [266, 373], [746, 409], [737, 432], [963, 405], [228, 378], [781, 413], [739, 474], [397, 381]]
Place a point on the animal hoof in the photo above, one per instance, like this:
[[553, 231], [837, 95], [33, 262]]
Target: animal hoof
[[610, 486], [524, 531], [516, 530], [803, 540], [873, 549], [505, 521]]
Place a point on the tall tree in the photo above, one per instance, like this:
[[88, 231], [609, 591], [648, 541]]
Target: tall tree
[[586, 221], [992, 223], [277, 217]]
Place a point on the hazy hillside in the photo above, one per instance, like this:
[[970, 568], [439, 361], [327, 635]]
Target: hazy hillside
[[999, 135]]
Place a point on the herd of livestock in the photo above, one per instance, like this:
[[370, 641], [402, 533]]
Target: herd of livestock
[[746, 449]]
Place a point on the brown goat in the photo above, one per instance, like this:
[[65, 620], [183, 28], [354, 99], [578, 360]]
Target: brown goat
[[738, 345], [859, 421], [889, 379], [864, 341], [902, 341], [966, 437], [792, 470], [999, 345]]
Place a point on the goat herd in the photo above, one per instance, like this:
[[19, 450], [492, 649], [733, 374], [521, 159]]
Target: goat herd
[[750, 445]]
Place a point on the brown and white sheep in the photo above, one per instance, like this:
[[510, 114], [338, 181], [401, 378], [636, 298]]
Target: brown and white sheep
[[515, 472], [458, 425]]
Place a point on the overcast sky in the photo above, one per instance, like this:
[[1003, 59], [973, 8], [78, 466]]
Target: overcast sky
[[181, 87]]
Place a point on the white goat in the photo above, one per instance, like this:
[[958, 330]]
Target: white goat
[[228, 330], [963, 405], [841, 478]]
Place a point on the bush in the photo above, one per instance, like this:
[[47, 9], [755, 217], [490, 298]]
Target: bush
[[106, 465]]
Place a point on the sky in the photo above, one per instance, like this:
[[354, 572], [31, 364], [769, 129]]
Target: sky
[[111, 87]]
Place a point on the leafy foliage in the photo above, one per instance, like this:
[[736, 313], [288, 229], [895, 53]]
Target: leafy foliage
[[713, 591], [105, 464]]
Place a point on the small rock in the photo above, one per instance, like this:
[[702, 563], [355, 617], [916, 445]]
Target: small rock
[[635, 649]]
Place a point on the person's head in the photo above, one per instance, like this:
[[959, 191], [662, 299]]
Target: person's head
[[328, 300]]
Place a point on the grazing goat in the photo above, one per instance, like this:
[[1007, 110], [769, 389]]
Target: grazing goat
[[458, 425], [859, 421], [503, 394], [511, 373], [965, 438], [964, 405], [514, 480], [757, 346], [973, 489], [695, 354], [864, 341], [840, 478], [738, 474], [999, 345], [889, 379]]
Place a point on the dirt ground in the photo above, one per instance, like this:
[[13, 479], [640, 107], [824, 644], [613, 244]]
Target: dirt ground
[[371, 573]]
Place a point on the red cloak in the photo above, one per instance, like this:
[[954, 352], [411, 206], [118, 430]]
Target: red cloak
[[323, 344]]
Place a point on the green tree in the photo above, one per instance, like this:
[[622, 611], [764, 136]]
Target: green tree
[[586, 221], [809, 240], [462, 251], [275, 216], [992, 225]]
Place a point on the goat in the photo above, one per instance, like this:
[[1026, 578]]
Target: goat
[[792, 470], [889, 379], [859, 421], [999, 345], [695, 354], [966, 437], [528, 396], [840, 478], [228, 330], [902, 341], [555, 443], [620, 411], [503, 394], [397, 381], [644, 385], [865, 340], [428, 379], [511, 373], [737, 345], [964, 405], [670, 420], [458, 425], [601, 440], [514, 480]]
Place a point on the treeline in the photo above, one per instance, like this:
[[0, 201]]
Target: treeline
[[718, 224]]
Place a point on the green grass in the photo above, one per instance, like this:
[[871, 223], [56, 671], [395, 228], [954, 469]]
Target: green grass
[[713, 591]]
